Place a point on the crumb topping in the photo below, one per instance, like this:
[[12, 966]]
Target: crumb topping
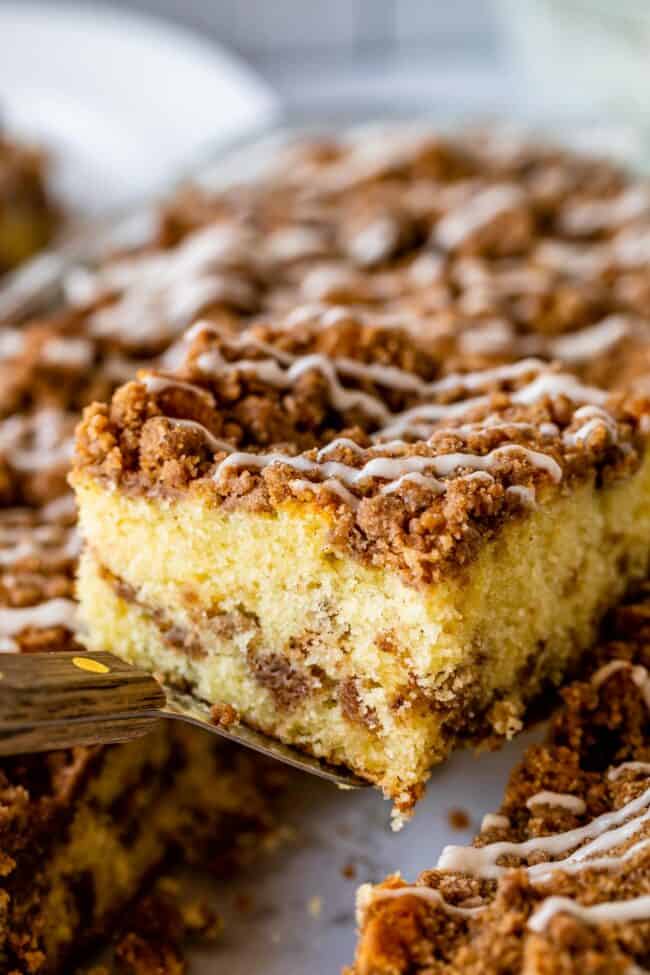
[[412, 467]]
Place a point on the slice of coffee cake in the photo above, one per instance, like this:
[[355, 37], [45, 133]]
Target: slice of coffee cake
[[364, 560], [558, 881]]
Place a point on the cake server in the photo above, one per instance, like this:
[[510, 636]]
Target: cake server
[[58, 700]]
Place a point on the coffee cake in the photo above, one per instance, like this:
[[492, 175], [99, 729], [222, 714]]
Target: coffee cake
[[557, 881], [365, 560]]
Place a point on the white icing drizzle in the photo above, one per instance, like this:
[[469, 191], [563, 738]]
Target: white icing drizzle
[[268, 370], [63, 507], [392, 468], [12, 342], [619, 770], [482, 861], [213, 442], [481, 209], [412, 420], [159, 294], [159, 384], [375, 241], [68, 352], [426, 270], [591, 216], [587, 343], [326, 281], [596, 419], [635, 909], [525, 495], [212, 363], [52, 612], [295, 242], [542, 872], [281, 370], [474, 274], [558, 384], [631, 247], [487, 338], [48, 542], [420, 421], [415, 478], [37, 441], [330, 484], [494, 821], [562, 800], [639, 676], [7, 645], [428, 894]]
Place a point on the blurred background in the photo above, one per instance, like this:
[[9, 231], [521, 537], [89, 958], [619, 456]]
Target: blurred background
[[418, 49], [100, 81], [366, 50]]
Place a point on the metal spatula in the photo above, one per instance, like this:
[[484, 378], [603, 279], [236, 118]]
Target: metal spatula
[[57, 700]]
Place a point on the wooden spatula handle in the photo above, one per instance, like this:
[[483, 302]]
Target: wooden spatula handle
[[54, 700]]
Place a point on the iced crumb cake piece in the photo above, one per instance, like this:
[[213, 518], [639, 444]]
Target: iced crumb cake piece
[[366, 561], [558, 880]]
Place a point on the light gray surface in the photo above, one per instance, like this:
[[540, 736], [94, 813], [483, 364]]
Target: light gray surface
[[286, 931]]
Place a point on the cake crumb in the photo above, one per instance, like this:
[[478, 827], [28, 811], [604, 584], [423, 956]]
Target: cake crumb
[[315, 906], [349, 870], [458, 819], [224, 715]]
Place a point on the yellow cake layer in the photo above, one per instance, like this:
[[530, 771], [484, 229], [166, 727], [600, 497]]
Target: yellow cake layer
[[238, 586]]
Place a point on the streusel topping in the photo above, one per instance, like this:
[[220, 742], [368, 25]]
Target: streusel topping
[[349, 417]]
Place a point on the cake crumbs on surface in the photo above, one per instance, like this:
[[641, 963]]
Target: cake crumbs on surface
[[459, 819], [349, 870], [224, 715], [315, 906], [480, 911]]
